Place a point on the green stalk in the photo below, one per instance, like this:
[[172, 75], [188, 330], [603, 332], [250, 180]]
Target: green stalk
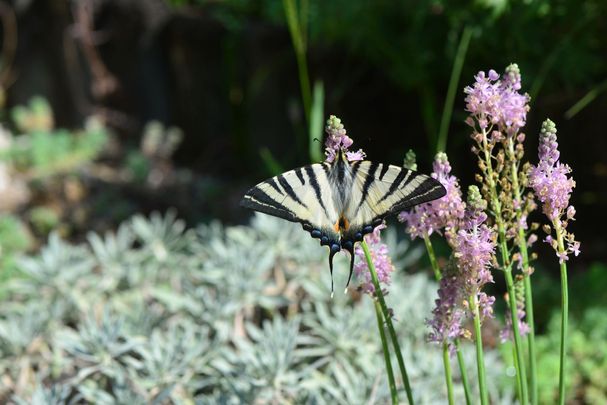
[[460, 357], [386, 349], [386, 313], [503, 247], [298, 30], [464, 374], [448, 378], [432, 256], [315, 126], [522, 245], [480, 361], [587, 99], [564, 313], [456, 72]]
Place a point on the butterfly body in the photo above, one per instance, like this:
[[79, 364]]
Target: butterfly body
[[341, 201]]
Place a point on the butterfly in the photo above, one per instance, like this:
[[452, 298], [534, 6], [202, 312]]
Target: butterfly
[[342, 201]]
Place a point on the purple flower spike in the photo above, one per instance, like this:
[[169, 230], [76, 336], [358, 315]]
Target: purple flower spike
[[449, 313], [473, 249], [549, 178], [496, 102], [553, 186], [440, 214], [337, 141], [381, 261]]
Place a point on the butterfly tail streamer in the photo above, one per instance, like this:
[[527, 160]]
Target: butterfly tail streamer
[[351, 251], [334, 249], [331, 270]]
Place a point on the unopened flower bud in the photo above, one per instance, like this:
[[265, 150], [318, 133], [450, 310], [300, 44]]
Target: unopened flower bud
[[475, 200], [410, 162], [520, 137]]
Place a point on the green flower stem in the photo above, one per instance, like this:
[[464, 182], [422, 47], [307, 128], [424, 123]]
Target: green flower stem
[[522, 245], [456, 72], [464, 374], [460, 357], [386, 349], [298, 31], [480, 361], [564, 312], [503, 247], [388, 318], [448, 378], [432, 256]]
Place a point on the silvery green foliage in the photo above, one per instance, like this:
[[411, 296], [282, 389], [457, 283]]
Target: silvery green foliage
[[157, 313], [56, 394]]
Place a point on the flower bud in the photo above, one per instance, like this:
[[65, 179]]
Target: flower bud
[[475, 200], [410, 162]]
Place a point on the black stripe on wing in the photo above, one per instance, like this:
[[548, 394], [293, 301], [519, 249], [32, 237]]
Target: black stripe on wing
[[428, 190], [289, 190], [314, 183], [299, 174], [404, 175], [258, 200], [369, 179]]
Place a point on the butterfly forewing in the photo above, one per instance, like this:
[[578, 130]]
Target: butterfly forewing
[[380, 190], [302, 195]]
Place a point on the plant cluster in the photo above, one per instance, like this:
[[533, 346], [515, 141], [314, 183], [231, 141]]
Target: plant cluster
[[487, 234], [157, 313], [41, 150], [492, 232]]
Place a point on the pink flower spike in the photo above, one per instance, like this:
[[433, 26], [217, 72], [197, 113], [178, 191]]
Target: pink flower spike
[[381, 261], [337, 141], [440, 214], [355, 156], [553, 186]]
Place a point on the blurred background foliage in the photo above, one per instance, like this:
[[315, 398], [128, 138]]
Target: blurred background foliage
[[113, 109]]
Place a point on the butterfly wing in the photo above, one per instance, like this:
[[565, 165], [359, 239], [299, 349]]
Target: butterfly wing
[[380, 190], [366, 193], [302, 195]]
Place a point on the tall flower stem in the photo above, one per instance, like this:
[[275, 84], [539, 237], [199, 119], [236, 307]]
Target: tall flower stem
[[460, 357], [297, 22], [448, 378], [456, 72], [497, 212], [463, 372], [386, 349], [564, 311], [432, 256], [480, 361], [522, 245], [388, 319]]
